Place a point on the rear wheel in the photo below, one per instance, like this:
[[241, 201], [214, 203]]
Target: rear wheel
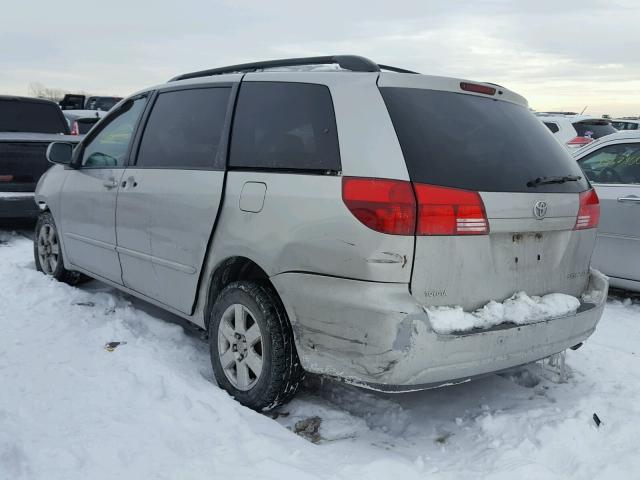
[[252, 350], [47, 252]]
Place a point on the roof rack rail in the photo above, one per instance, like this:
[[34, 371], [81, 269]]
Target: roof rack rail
[[354, 63]]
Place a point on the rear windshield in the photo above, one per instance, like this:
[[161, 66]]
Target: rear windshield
[[85, 124], [625, 125], [476, 143], [593, 128], [35, 117], [102, 103]]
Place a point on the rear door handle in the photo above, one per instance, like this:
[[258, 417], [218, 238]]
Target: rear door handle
[[111, 183], [630, 198]]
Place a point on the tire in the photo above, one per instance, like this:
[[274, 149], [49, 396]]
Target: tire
[[47, 252], [280, 373]]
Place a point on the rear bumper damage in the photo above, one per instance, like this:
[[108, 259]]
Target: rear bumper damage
[[377, 336], [18, 205]]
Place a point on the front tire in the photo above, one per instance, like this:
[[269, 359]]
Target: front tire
[[47, 252], [253, 354]]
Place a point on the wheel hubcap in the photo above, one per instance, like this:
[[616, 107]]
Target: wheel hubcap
[[240, 347], [48, 248]]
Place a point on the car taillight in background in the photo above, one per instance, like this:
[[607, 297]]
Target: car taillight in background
[[589, 211], [398, 207], [577, 142], [75, 129]]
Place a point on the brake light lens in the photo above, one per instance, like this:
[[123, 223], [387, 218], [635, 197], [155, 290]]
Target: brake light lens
[[477, 88], [387, 206], [579, 141], [450, 211], [589, 211], [75, 130]]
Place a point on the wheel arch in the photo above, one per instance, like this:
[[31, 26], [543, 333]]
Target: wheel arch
[[229, 270]]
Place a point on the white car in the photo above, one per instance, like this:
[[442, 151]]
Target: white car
[[81, 121], [612, 164], [626, 123], [575, 131]]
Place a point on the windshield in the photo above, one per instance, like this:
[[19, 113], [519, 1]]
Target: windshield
[[476, 143], [33, 117]]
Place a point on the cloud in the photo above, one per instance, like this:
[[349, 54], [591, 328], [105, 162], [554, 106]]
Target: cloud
[[555, 53]]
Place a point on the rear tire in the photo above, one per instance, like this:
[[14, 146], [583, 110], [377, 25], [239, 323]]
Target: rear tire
[[47, 252], [253, 353]]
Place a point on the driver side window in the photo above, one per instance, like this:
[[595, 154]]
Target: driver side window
[[613, 164], [108, 149]]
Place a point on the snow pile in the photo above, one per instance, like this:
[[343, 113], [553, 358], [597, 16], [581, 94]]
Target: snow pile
[[149, 409], [519, 309]]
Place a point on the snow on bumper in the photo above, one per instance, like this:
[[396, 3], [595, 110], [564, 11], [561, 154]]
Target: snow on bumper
[[376, 335]]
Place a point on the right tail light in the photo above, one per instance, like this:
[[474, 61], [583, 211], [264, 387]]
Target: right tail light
[[589, 211]]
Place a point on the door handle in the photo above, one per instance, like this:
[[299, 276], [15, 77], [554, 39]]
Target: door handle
[[111, 183], [630, 199]]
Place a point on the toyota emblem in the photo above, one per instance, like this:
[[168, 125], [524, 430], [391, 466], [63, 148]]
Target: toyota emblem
[[540, 209]]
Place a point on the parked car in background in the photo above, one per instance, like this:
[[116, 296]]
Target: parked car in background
[[626, 123], [72, 101], [27, 127], [81, 121], [82, 102], [612, 164], [225, 197], [573, 130], [101, 103]]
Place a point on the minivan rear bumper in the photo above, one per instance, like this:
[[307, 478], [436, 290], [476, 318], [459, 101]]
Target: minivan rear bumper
[[377, 336]]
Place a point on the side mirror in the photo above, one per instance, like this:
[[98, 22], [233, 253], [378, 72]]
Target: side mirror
[[60, 152]]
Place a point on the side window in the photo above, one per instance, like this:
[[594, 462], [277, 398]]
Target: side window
[[289, 126], [185, 129], [613, 164], [552, 126], [109, 147]]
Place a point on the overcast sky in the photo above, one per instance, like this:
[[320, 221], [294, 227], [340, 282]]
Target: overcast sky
[[559, 54]]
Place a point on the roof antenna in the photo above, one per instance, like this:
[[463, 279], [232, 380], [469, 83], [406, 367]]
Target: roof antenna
[[584, 109]]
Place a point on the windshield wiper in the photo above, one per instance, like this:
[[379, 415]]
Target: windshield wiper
[[548, 180]]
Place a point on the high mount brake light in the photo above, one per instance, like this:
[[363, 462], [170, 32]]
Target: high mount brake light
[[589, 211], [477, 88], [397, 207]]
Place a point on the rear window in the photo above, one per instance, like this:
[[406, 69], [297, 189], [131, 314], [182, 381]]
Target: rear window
[[85, 124], [625, 125], [593, 128], [34, 117], [284, 126], [102, 103], [553, 127], [476, 143]]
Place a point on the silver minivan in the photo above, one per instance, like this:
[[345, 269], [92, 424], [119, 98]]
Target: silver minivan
[[311, 220]]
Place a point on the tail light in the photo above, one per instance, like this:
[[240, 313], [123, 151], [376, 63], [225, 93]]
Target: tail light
[[589, 211], [386, 206], [75, 130], [579, 141], [450, 211], [399, 208]]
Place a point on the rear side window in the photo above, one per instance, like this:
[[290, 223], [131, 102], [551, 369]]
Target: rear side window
[[476, 143], [185, 129], [553, 127], [289, 126], [615, 164], [594, 128], [625, 125], [35, 117]]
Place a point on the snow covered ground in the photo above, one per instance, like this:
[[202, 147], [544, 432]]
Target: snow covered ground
[[150, 409]]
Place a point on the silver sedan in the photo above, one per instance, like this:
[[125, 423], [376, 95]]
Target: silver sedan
[[612, 164]]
